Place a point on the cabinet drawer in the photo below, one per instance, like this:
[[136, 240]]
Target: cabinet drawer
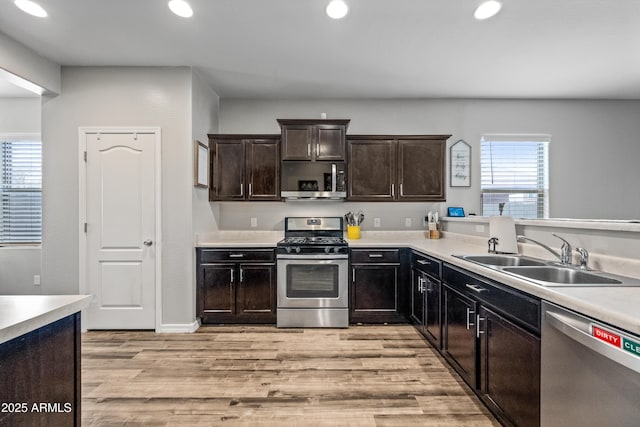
[[426, 264], [360, 256], [243, 255], [521, 308]]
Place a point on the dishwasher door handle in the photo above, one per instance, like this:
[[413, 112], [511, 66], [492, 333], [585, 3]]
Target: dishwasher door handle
[[618, 355]]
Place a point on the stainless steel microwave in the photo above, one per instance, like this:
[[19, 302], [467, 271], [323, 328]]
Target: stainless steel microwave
[[313, 181]]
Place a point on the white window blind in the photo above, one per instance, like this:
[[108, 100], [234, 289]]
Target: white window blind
[[514, 171], [20, 190]]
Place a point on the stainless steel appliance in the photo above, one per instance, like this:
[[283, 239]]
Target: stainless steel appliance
[[590, 372], [313, 263], [313, 181]]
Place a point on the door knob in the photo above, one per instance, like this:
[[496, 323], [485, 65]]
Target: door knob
[[148, 242]]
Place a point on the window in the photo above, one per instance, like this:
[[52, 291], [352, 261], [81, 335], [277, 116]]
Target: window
[[514, 171], [20, 189]]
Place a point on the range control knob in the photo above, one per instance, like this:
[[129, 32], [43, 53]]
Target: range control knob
[[336, 249], [327, 249], [288, 249], [297, 249]]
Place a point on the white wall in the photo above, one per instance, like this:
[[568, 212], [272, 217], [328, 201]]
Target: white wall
[[25, 63], [18, 265], [120, 96], [593, 154]]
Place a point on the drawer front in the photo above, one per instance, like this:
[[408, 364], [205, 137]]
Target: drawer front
[[240, 255], [364, 256], [521, 308], [426, 264]]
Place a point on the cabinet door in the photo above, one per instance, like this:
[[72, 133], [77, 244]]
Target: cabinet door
[[421, 170], [459, 345], [509, 369], [227, 170], [256, 294], [330, 142], [216, 296], [263, 170], [374, 294], [417, 299], [371, 170], [432, 326], [297, 142]]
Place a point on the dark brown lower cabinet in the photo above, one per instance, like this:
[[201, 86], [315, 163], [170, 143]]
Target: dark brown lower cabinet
[[460, 345], [509, 370], [40, 382], [375, 295], [239, 291]]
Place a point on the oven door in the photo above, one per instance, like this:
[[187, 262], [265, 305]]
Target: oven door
[[313, 281]]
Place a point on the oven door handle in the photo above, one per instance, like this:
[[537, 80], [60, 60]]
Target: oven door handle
[[313, 256]]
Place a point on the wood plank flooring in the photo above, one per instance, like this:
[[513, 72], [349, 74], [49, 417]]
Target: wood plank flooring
[[263, 376]]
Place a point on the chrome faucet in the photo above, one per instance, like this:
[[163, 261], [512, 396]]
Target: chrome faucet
[[565, 250], [584, 258]]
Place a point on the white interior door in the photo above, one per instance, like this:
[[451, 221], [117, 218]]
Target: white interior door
[[121, 230]]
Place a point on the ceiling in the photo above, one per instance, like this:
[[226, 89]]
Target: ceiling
[[382, 49]]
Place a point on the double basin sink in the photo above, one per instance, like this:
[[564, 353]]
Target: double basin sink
[[548, 273]]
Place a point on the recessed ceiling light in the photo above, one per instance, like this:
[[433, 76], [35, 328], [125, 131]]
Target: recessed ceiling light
[[337, 9], [181, 8], [487, 9], [31, 8]]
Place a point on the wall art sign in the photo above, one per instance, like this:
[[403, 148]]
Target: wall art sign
[[460, 164]]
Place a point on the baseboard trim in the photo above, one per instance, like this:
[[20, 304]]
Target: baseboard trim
[[178, 328]]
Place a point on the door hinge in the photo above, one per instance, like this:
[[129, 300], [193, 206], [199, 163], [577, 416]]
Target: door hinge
[[85, 227], [85, 157]]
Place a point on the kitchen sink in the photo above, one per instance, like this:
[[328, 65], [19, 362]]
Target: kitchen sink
[[548, 273], [556, 275], [504, 260]]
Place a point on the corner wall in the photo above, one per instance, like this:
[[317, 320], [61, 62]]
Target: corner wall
[[120, 96]]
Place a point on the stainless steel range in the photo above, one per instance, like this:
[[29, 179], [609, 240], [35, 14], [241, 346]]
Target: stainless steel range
[[313, 263]]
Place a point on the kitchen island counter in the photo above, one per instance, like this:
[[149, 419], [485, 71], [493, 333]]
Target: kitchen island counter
[[21, 314]]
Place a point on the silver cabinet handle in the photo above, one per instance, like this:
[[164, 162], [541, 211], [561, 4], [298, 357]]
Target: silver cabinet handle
[[236, 255], [308, 150], [393, 190], [241, 189], [241, 275], [469, 314], [353, 271], [148, 242], [401, 192], [317, 150], [478, 331], [475, 288], [424, 262], [250, 189], [375, 255], [420, 288], [232, 275]]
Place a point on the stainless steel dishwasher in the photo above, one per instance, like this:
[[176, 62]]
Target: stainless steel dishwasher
[[590, 372]]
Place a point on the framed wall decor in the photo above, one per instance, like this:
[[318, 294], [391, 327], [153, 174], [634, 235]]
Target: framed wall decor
[[200, 164], [460, 166]]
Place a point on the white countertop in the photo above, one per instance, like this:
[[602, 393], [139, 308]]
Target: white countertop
[[21, 314], [617, 306]]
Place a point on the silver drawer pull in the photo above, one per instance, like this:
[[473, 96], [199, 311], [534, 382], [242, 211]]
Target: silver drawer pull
[[475, 288], [469, 314], [478, 330], [424, 262], [236, 255], [375, 255]]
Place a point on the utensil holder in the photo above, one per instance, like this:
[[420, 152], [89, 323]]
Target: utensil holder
[[353, 231]]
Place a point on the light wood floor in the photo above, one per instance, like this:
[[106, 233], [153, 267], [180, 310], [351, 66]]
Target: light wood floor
[[263, 376]]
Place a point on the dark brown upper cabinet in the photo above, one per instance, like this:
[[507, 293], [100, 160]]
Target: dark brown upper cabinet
[[396, 168], [244, 167], [313, 139]]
